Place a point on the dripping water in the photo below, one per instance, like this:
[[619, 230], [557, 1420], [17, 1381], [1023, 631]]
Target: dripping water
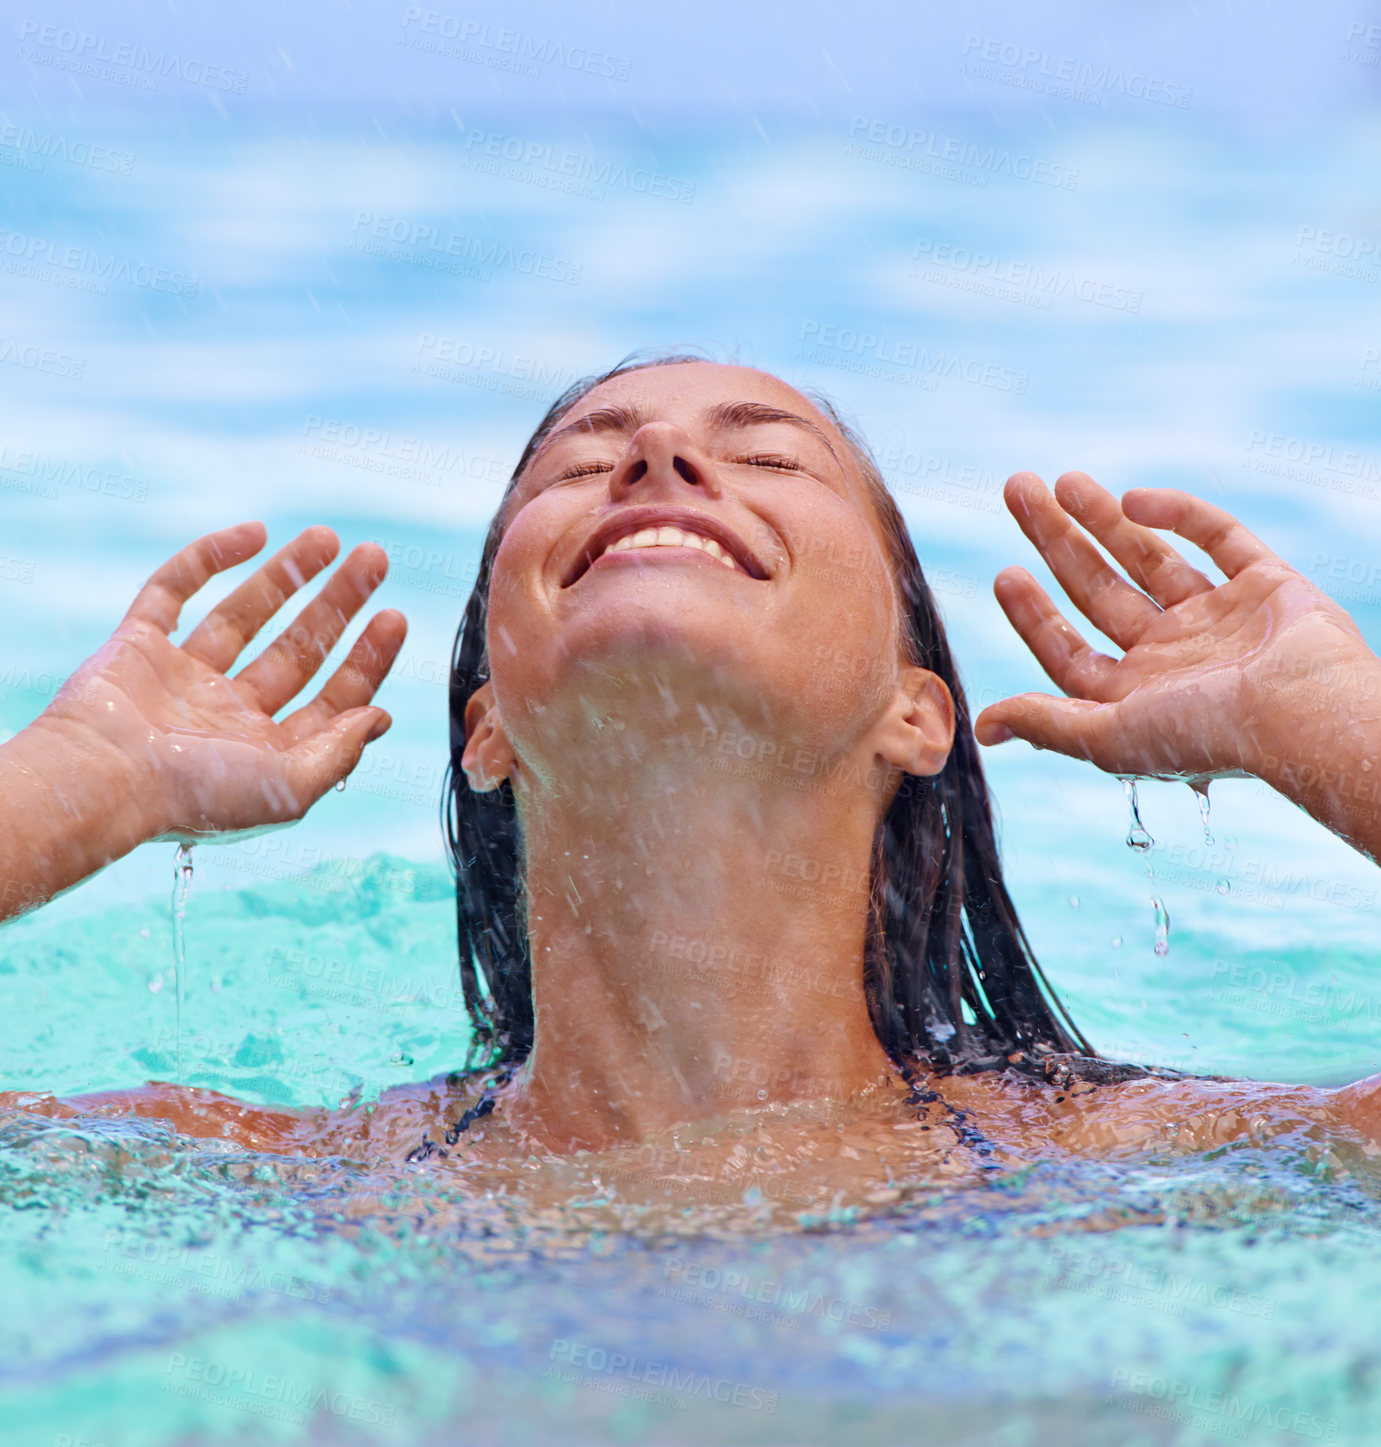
[[1138, 836], [1201, 794], [1140, 842], [182, 884]]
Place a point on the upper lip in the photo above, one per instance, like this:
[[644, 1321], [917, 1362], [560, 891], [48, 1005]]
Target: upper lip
[[635, 519]]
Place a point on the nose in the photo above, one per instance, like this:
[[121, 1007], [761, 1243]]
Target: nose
[[661, 454]]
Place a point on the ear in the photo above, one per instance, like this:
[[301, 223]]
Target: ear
[[489, 757], [916, 733]]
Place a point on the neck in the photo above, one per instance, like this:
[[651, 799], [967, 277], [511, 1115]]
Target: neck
[[697, 926]]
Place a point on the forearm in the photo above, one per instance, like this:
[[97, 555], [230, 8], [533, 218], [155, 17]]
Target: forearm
[[1320, 746], [69, 805]]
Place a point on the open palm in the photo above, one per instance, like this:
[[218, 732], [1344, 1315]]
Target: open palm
[[206, 752], [1205, 668]]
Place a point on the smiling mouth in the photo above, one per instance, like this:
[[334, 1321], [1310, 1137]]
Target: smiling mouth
[[667, 538]]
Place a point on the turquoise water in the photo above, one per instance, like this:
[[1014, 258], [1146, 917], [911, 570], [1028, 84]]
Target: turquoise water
[[162, 1291]]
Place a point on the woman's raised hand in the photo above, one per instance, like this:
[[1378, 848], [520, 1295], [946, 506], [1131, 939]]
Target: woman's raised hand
[[200, 750], [1213, 679]]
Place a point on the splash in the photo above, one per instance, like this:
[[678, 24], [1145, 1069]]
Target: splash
[[182, 886], [1140, 842]]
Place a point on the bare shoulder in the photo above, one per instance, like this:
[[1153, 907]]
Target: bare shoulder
[[1189, 1113], [1358, 1106], [191, 1110]]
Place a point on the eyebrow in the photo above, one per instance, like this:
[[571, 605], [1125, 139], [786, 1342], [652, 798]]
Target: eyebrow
[[725, 415]]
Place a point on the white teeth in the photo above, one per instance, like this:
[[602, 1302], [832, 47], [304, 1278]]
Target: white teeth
[[671, 537]]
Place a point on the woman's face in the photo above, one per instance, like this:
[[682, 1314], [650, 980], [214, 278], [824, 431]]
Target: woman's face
[[794, 637]]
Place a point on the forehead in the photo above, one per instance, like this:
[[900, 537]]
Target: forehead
[[691, 387]]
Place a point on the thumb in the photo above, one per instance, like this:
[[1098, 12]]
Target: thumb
[[330, 754], [1073, 726]]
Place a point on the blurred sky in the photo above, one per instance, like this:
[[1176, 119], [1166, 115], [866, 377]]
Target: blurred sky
[[331, 262]]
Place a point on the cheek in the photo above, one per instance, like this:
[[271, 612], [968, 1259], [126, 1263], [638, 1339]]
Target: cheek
[[845, 638]]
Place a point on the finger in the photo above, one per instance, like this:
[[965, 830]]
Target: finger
[[1149, 560], [161, 599], [357, 680], [1218, 533], [1071, 663], [320, 761], [1105, 598], [1109, 602], [1073, 726], [220, 638], [283, 669]]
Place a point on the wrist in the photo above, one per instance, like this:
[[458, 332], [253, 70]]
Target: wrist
[[110, 795], [1317, 729]]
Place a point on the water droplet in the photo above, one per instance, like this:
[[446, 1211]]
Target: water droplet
[[1229, 841], [1074, 901], [1138, 838], [340, 786], [1223, 886], [1201, 793], [155, 984], [1117, 942], [762, 1095], [1162, 925], [182, 885]]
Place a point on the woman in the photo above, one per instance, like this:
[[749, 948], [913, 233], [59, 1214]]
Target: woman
[[723, 841]]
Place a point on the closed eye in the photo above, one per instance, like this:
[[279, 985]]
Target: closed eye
[[771, 459], [585, 469]]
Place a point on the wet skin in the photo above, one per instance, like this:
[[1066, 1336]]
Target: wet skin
[[610, 673]]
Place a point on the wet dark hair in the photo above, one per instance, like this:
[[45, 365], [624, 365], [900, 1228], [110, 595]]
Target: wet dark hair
[[949, 974]]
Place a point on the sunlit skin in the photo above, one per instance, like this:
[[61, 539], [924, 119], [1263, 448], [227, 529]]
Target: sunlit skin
[[612, 693]]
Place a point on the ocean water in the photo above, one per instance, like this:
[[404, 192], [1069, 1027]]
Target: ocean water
[[356, 314]]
